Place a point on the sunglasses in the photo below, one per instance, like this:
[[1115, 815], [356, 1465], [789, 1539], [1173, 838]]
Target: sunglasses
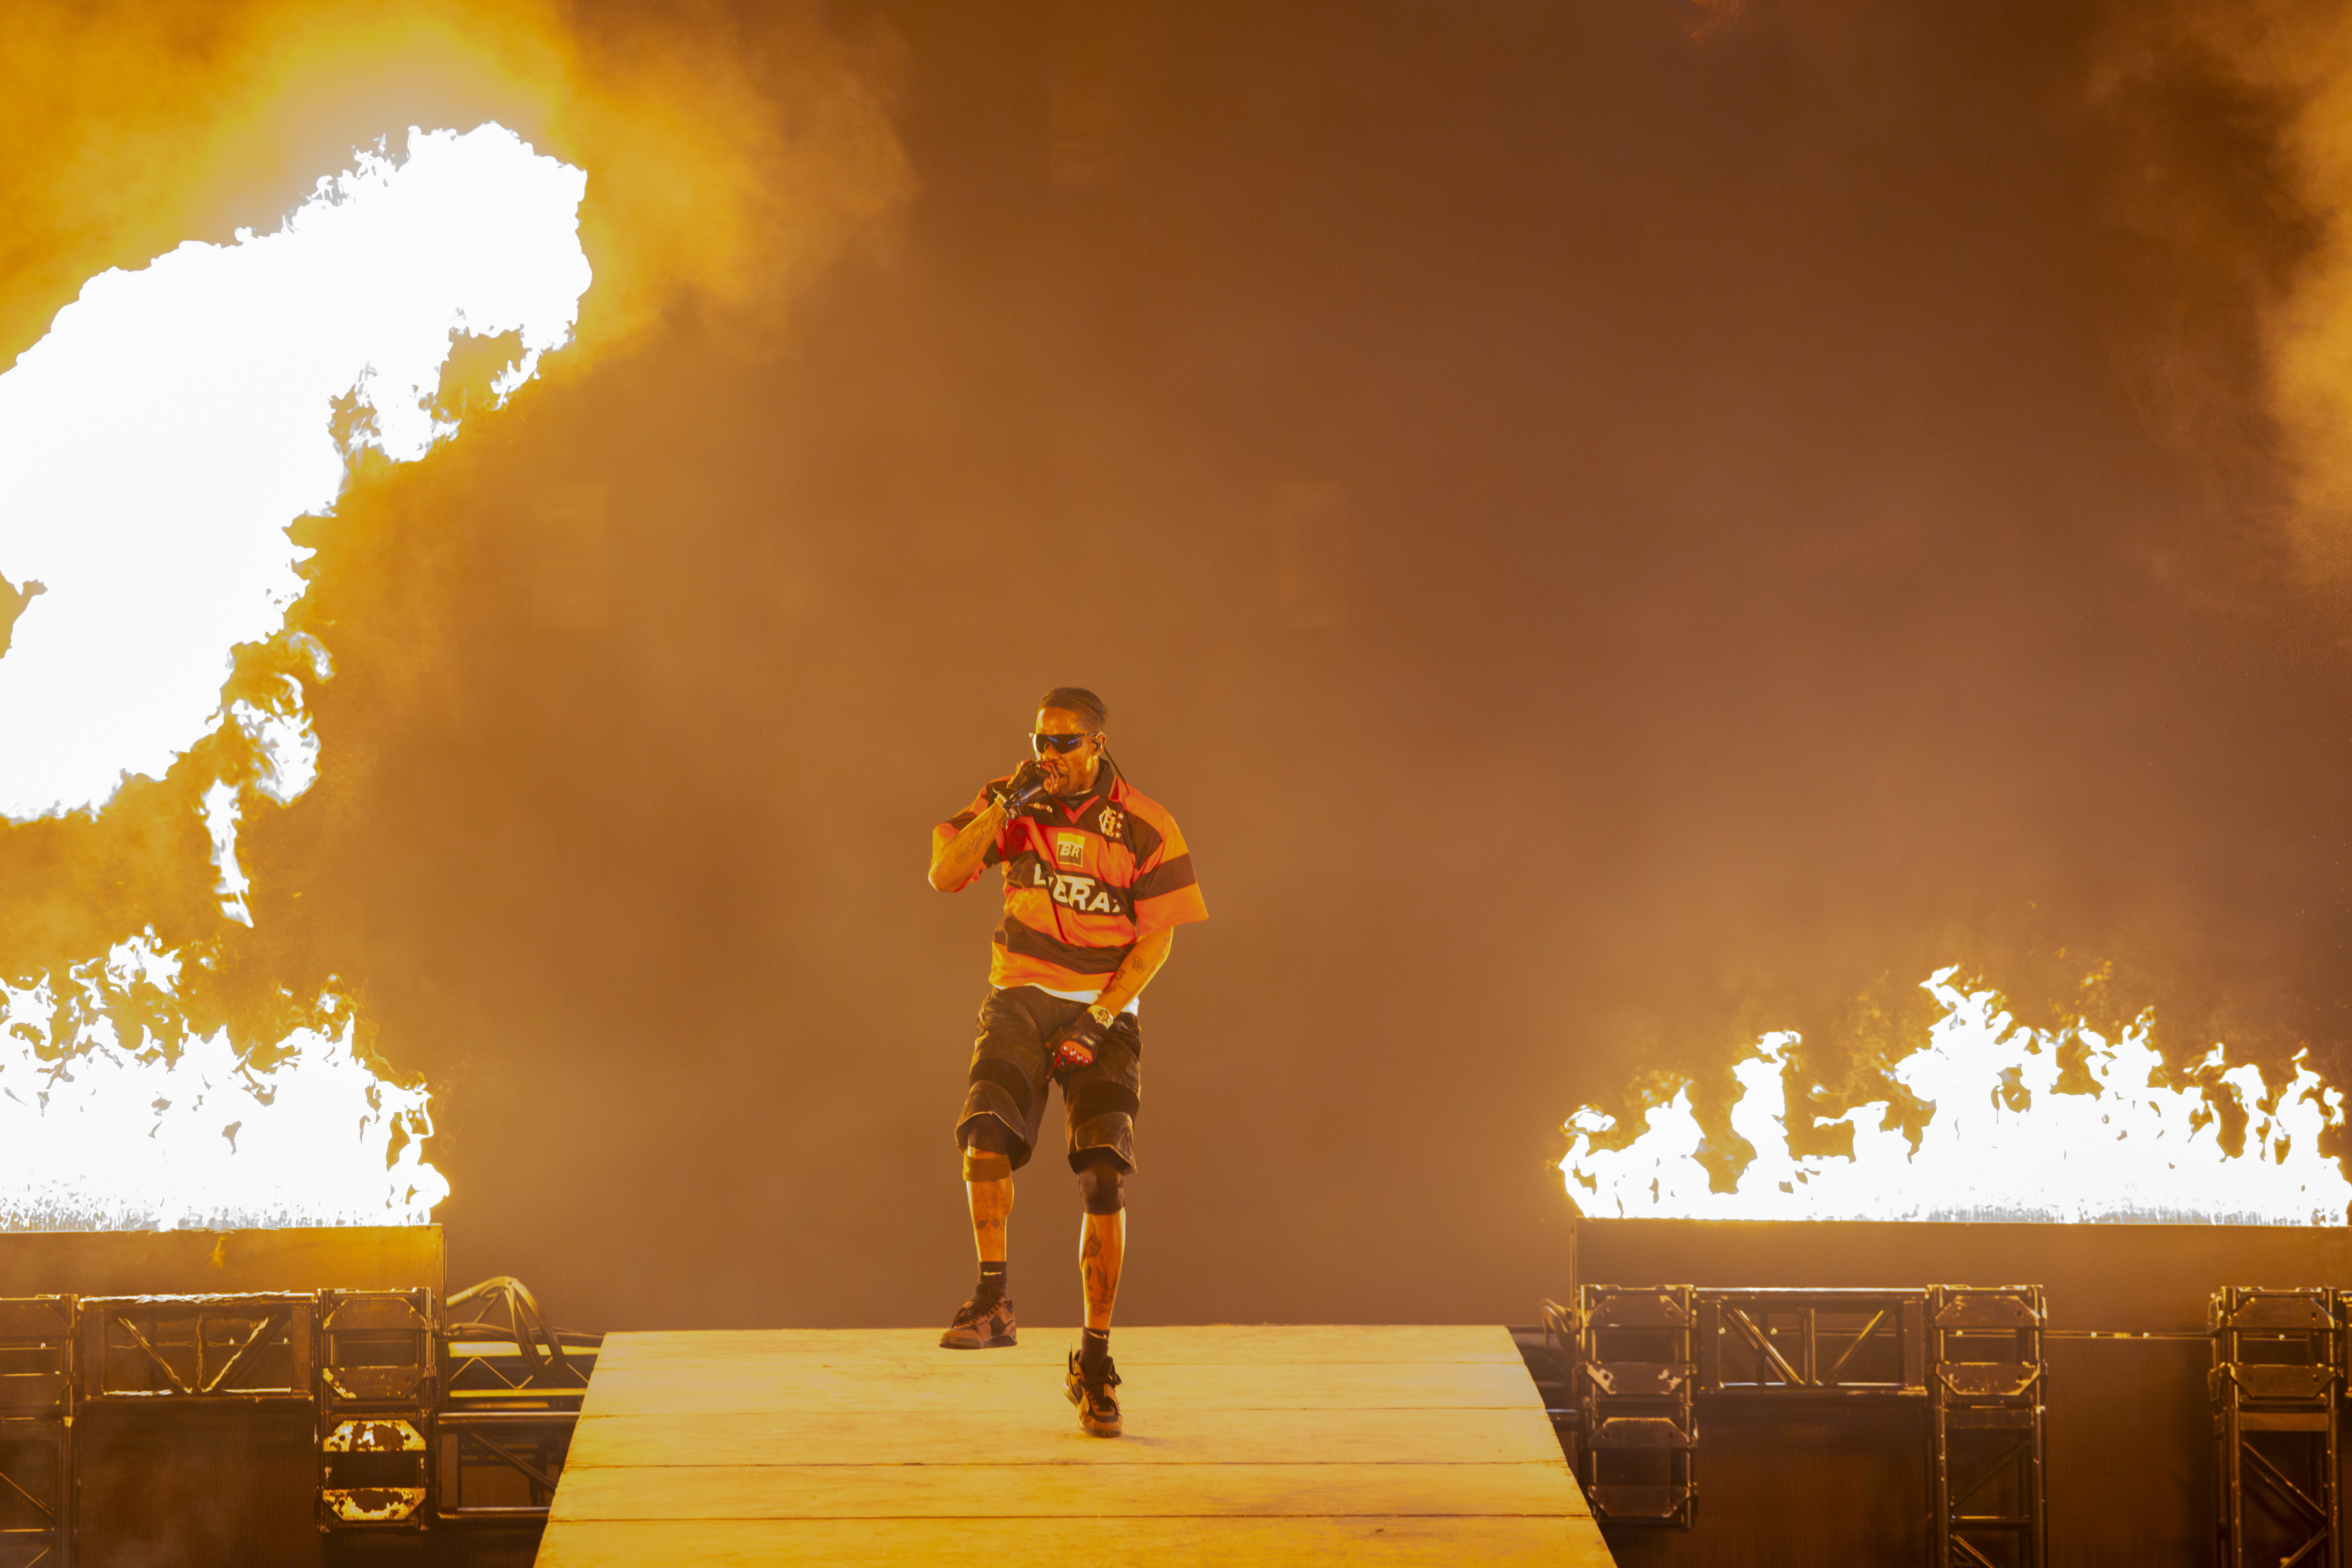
[[1065, 744]]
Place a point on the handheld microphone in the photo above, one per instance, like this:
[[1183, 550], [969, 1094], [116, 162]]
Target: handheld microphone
[[1027, 783]]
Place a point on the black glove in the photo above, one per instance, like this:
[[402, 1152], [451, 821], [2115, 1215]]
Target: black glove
[[1079, 1043], [1027, 783]]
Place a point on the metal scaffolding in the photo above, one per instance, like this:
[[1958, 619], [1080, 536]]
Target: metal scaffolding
[[1627, 1372], [1635, 1374], [2277, 1378], [1832, 1344], [511, 1395], [1985, 1475], [1631, 1376], [1635, 1363], [423, 1422], [36, 1340]]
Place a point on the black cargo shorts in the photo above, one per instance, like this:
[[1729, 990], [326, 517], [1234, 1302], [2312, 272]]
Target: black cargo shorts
[[1011, 1069]]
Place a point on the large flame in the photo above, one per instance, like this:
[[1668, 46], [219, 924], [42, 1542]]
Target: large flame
[[154, 449], [115, 1116], [156, 444], [2005, 1142]]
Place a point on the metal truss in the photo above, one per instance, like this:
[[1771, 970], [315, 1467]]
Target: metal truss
[[1624, 1371], [378, 1381], [502, 1465], [1986, 1376], [236, 1349], [513, 1387], [37, 1383], [2278, 1374], [423, 1423], [1834, 1343], [1638, 1360], [1637, 1371]]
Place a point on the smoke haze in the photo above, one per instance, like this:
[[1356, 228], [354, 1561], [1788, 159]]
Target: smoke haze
[[1613, 527]]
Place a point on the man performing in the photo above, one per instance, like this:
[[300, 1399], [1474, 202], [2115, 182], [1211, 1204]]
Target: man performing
[[1096, 880]]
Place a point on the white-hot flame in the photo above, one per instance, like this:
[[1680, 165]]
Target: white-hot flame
[[155, 448], [2004, 1141], [115, 1116], [156, 445]]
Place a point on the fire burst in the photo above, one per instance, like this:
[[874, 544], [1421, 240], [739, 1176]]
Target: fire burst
[[155, 445], [115, 1116], [154, 449], [2004, 1141]]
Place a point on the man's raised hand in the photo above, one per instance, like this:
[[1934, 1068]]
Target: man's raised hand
[[1016, 791]]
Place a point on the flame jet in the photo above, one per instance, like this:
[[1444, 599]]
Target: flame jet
[[109, 1124], [154, 449], [155, 445], [2009, 1139]]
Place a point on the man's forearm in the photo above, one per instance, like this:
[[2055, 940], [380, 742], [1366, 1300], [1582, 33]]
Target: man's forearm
[[1136, 970], [955, 862]]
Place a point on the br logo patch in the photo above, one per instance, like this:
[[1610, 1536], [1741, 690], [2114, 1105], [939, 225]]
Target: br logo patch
[[1069, 848]]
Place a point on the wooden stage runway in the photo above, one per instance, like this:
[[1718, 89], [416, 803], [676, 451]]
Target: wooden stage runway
[[1376, 1445]]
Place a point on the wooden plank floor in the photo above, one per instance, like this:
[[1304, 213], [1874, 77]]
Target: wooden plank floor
[[1373, 1446]]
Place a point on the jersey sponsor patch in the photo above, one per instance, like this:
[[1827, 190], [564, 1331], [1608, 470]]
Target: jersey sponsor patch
[[1070, 849], [1086, 895]]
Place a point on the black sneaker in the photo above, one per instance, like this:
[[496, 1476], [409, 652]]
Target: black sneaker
[[1097, 1405], [981, 1328]]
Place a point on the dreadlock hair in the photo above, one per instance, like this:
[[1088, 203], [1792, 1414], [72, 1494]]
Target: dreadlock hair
[[1077, 699]]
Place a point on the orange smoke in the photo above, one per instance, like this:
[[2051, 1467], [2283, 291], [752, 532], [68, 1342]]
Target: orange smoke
[[2236, 119]]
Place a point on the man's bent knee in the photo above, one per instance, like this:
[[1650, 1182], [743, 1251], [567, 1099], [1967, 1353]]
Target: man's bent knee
[[987, 1152], [1102, 1184]]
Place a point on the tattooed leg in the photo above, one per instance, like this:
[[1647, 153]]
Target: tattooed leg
[[1102, 1251], [992, 1211]]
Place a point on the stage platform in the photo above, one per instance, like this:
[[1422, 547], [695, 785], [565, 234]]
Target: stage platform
[[1244, 1444]]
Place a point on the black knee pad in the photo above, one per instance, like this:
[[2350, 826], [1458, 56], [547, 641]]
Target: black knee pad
[[987, 1135], [1102, 1184]]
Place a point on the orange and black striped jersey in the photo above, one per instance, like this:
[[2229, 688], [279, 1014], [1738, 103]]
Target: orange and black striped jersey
[[1084, 878]]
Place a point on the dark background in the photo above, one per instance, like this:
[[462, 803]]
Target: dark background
[[1612, 528]]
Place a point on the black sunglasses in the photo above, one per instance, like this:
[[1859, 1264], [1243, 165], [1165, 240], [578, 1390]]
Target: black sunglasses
[[1065, 744]]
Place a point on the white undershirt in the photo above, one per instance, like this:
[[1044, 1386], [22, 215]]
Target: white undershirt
[[1134, 1003]]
